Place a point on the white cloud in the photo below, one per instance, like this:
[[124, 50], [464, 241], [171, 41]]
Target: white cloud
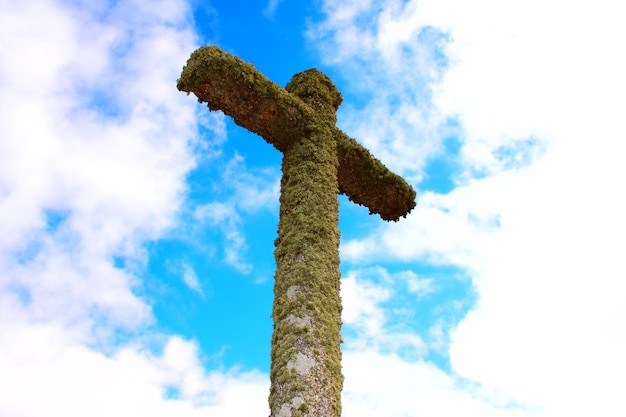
[[391, 65], [111, 181], [254, 191], [367, 322], [95, 146], [191, 278], [378, 384], [559, 217], [443, 229], [548, 284], [538, 236], [360, 303], [71, 379], [185, 271], [419, 286], [270, 10], [250, 193], [225, 217], [94, 151]]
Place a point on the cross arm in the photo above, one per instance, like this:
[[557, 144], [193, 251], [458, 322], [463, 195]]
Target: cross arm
[[366, 181], [227, 83]]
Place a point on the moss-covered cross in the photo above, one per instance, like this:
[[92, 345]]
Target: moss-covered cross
[[319, 162]]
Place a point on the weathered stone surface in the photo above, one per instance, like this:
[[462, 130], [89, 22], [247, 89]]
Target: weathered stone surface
[[319, 162], [226, 83]]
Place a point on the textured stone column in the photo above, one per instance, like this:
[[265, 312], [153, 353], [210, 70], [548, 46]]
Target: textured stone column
[[306, 357]]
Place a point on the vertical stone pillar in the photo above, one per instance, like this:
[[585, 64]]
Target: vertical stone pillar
[[306, 357]]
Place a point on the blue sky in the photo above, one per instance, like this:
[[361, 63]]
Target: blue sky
[[136, 248]]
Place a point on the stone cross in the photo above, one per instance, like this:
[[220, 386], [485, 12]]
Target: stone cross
[[319, 162]]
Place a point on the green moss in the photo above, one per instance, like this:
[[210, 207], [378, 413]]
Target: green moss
[[297, 386], [319, 162], [317, 90], [224, 82], [366, 181], [307, 258], [227, 83]]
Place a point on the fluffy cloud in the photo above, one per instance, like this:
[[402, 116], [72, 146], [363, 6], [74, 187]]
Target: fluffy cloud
[[248, 192], [388, 66], [378, 384], [384, 363], [536, 212], [72, 379], [95, 147]]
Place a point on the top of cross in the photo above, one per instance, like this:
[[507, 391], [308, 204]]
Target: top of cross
[[281, 116], [317, 90]]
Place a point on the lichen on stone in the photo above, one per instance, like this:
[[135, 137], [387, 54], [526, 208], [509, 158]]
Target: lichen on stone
[[319, 162]]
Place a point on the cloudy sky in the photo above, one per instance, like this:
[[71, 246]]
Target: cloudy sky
[[136, 242]]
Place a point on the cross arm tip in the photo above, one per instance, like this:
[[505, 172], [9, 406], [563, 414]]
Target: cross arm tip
[[199, 67], [227, 83], [366, 181]]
